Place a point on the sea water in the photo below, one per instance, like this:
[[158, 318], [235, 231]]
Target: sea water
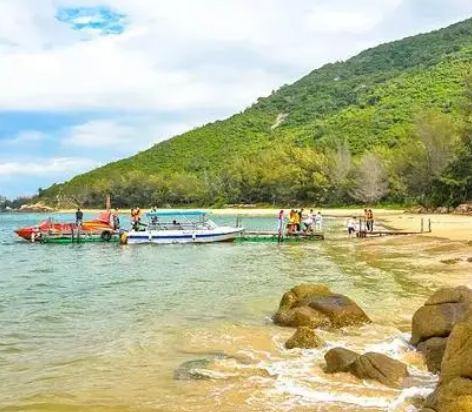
[[103, 327]]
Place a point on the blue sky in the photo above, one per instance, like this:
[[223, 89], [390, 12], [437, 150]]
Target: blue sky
[[83, 83]]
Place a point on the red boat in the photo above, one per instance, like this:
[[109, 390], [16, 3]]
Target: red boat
[[99, 227]]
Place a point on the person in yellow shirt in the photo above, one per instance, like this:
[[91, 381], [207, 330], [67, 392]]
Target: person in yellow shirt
[[297, 220]]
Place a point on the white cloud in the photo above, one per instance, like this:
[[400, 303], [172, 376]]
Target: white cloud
[[125, 136], [46, 167], [175, 59], [168, 59], [25, 137], [100, 133]]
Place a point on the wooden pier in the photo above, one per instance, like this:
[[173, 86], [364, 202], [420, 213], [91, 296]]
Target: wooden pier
[[363, 232], [274, 236]]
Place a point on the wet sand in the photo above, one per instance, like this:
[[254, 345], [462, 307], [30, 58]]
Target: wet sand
[[452, 227]]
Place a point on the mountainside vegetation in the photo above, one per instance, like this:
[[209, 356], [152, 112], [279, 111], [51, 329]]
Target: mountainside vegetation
[[391, 125]]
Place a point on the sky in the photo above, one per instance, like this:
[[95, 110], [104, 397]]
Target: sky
[[87, 82]]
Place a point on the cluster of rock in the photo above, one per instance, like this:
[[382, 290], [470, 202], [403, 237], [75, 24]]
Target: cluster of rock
[[310, 306], [32, 208], [463, 209], [371, 366], [442, 331], [315, 306]]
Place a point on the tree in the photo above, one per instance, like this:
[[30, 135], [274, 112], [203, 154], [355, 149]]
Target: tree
[[340, 165], [370, 181], [439, 138]]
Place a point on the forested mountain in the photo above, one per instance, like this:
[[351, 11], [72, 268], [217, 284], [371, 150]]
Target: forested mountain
[[384, 125]]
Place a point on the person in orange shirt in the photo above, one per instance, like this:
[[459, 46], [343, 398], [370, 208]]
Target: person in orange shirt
[[370, 220]]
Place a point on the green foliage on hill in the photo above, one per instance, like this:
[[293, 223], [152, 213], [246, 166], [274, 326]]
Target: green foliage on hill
[[338, 135]]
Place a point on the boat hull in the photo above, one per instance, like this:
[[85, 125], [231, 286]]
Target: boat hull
[[221, 234], [48, 232], [61, 240]]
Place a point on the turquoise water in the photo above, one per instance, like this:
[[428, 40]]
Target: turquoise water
[[95, 327]]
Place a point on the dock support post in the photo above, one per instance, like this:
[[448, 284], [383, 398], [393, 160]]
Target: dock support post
[[422, 225], [429, 225]]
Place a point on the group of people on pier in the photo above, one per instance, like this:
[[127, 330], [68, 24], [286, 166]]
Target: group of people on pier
[[365, 226], [298, 221]]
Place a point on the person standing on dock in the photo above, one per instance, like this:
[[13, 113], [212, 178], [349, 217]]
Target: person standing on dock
[[366, 218], [351, 226], [370, 220], [116, 220], [319, 222], [79, 217], [280, 225], [299, 220]]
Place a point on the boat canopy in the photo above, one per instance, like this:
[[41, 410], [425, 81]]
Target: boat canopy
[[177, 213]]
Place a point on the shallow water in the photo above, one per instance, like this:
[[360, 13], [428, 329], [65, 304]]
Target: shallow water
[[102, 327]]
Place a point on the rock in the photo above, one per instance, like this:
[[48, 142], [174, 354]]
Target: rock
[[440, 313], [433, 350], [460, 294], [442, 210], [315, 306], [457, 361], [302, 316], [454, 396], [454, 392], [339, 360], [195, 369], [35, 208], [190, 371], [451, 261], [304, 338], [436, 321], [381, 368], [340, 310], [463, 209]]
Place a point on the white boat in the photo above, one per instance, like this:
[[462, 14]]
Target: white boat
[[167, 227]]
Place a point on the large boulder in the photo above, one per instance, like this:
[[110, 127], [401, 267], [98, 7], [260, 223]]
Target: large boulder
[[454, 396], [433, 322], [433, 351], [457, 361], [460, 294], [454, 392], [440, 313], [304, 338], [339, 360], [316, 306], [437, 320], [381, 368]]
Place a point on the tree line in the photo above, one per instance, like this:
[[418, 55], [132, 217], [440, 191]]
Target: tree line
[[329, 175]]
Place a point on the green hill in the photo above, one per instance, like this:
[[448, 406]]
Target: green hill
[[360, 130]]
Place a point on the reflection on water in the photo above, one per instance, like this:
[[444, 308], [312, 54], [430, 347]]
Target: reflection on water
[[103, 327]]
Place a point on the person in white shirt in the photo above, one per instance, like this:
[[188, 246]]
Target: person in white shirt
[[308, 223], [351, 226], [319, 221], [280, 221]]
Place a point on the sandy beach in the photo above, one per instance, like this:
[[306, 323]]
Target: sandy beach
[[452, 227]]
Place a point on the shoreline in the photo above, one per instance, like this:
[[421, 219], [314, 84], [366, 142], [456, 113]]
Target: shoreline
[[261, 212], [449, 226]]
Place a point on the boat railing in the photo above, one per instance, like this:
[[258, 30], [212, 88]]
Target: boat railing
[[178, 226]]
